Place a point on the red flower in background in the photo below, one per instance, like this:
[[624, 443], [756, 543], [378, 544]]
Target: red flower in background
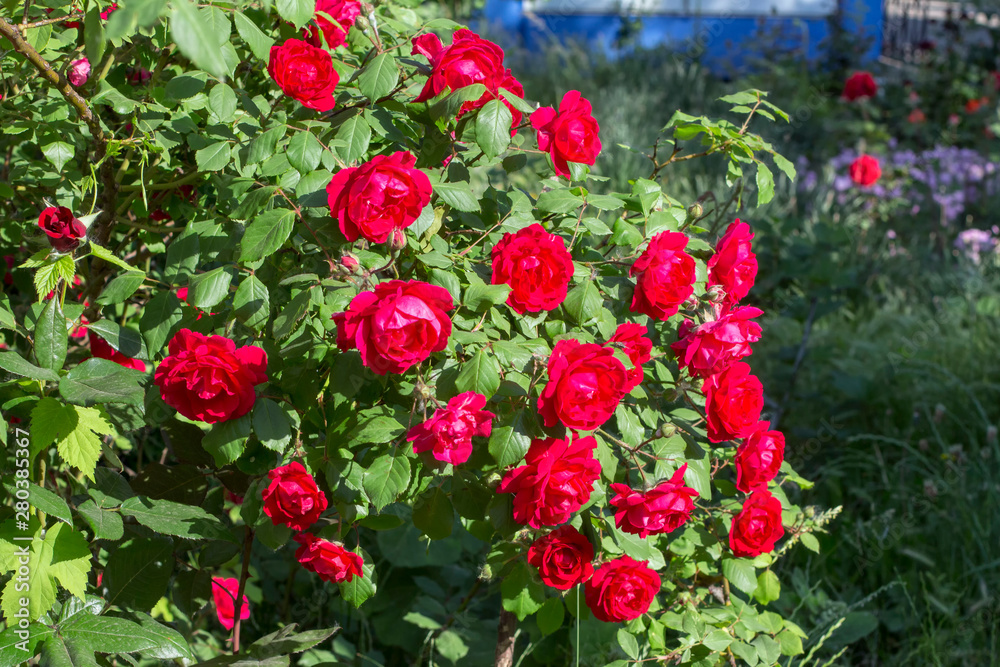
[[292, 498], [707, 349], [448, 433], [78, 72], [734, 264], [224, 593], [101, 349], [662, 509], [343, 13], [865, 171], [632, 340], [859, 85], [759, 458], [397, 325], [537, 267], [621, 590], [305, 73], [330, 561], [757, 527], [733, 401], [562, 558], [62, 228], [571, 135], [586, 384], [383, 195], [555, 481], [665, 276]]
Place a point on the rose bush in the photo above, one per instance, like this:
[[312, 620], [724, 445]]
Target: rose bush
[[323, 363]]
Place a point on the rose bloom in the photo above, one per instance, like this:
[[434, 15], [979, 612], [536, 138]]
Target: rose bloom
[[562, 558], [759, 458], [757, 527], [858, 85], [101, 349], [62, 228], [78, 72], [343, 13], [621, 590], [666, 276], [469, 59], [586, 384], [733, 401], [662, 509], [448, 433], [382, 195], [569, 135], [555, 481], [630, 337], [292, 498], [224, 593], [865, 171], [209, 379], [537, 267], [916, 117], [707, 349], [304, 73], [399, 324], [330, 561], [734, 264]]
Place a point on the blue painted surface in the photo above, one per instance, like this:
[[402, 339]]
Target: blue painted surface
[[710, 38]]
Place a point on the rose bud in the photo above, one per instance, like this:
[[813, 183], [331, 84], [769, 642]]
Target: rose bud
[[62, 228], [79, 72]]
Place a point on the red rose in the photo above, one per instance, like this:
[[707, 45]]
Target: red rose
[[224, 593], [102, 350], [586, 383], [562, 558], [865, 171], [707, 349], [78, 72], [330, 561], [570, 135], [382, 195], [138, 76], [448, 433], [343, 13], [62, 228], [621, 590], [666, 276], [663, 509], [304, 73], [469, 59], [757, 527], [536, 265], [292, 498], [734, 264], [631, 339], [759, 458], [858, 85], [555, 481], [209, 379], [399, 324], [733, 401], [76, 24]]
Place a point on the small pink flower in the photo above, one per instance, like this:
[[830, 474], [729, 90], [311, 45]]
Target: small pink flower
[[79, 72]]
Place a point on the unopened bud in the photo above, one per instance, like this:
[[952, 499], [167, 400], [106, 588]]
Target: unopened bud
[[691, 303], [810, 512], [398, 239], [695, 211], [350, 262], [362, 23], [492, 480], [716, 293]]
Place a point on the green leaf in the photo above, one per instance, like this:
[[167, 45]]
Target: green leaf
[[259, 43], [451, 646], [765, 184], [121, 339], [271, 425], [360, 588], [584, 302], [49, 273], [169, 518], [286, 641], [222, 102], [740, 573], [304, 152], [62, 556], [790, 643], [196, 39], [209, 289], [121, 287], [213, 157], [355, 135], [251, 305], [103, 253], [560, 200], [74, 429], [457, 195], [263, 145], [378, 77], [290, 315], [628, 643], [41, 498], [433, 514], [768, 650], [550, 616], [809, 541], [159, 320], [377, 430], [101, 381], [479, 298], [93, 34], [768, 587], [106, 524], [297, 12], [51, 336], [138, 572], [718, 640], [745, 652], [227, 440], [508, 444], [58, 153], [266, 234], [15, 650], [387, 477], [14, 363], [521, 593], [112, 97], [493, 128], [449, 105], [481, 374]]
